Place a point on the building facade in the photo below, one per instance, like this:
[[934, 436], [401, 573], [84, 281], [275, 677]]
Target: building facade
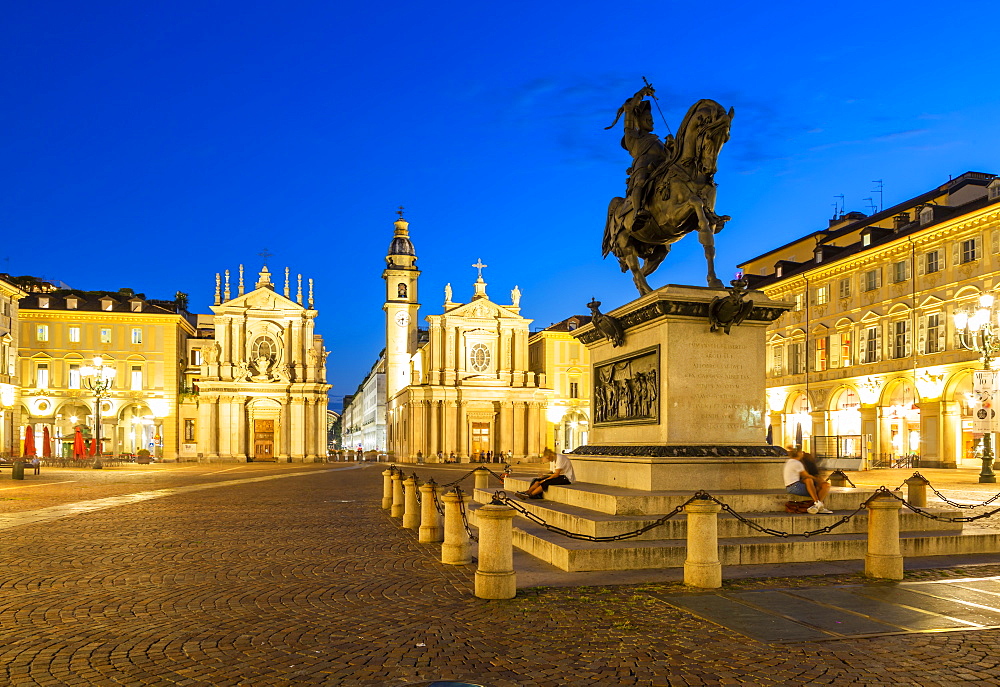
[[869, 367], [261, 385], [10, 386], [556, 356], [463, 388], [61, 332]]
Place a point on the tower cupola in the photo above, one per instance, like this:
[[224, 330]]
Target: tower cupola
[[401, 244]]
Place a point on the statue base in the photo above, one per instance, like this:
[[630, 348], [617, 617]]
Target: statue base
[[678, 406]]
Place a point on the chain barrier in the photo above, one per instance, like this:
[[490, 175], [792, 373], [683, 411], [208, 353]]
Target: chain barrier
[[941, 518], [844, 476], [438, 506], [501, 498], [952, 503], [465, 518]]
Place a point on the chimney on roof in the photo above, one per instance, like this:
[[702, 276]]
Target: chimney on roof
[[900, 220]]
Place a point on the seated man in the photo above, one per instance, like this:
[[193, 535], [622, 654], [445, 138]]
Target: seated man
[[801, 481], [560, 472]]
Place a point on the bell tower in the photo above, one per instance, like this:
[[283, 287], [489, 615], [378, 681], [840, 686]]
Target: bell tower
[[401, 308]]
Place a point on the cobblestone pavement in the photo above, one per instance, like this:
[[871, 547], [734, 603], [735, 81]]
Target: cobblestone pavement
[[304, 580]]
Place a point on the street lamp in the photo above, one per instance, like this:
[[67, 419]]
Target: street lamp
[[98, 379], [978, 329]]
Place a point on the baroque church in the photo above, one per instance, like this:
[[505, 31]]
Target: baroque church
[[261, 391], [462, 387]]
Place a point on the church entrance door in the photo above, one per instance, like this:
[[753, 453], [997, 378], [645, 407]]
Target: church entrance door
[[480, 439], [263, 440]]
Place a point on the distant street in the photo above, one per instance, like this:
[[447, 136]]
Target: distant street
[[292, 575]]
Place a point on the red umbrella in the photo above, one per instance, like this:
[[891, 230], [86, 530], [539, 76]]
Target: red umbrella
[[79, 449], [29, 441], [46, 443]]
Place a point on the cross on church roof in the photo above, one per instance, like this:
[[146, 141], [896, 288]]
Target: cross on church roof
[[478, 264], [400, 212], [265, 254]]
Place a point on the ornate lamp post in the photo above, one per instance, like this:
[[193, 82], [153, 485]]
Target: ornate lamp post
[[979, 330], [98, 379]]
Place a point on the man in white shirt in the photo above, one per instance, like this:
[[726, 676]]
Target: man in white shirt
[[560, 472], [798, 481]]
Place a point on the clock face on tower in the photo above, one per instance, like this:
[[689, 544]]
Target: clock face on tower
[[402, 319]]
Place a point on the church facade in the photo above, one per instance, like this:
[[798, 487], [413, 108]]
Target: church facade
[[462, 388], [257, 377]]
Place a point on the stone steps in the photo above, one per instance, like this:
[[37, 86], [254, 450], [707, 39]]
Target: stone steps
[[574, 555], [583, 521], [621, 501]]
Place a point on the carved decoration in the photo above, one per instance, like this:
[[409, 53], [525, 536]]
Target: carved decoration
[[626, 390], [683, 451]]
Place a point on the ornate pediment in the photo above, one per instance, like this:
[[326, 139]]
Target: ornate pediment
[[260, 299], [480, 309]]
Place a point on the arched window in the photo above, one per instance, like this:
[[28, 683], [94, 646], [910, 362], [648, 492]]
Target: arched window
[[264, 347]]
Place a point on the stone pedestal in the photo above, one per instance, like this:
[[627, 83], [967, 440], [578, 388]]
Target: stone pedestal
[[678, 406]]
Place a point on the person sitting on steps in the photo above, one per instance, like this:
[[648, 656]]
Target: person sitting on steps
[[802, 479], [560, 472]]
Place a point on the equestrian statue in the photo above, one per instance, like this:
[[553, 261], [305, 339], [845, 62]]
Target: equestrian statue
[[670, 190]]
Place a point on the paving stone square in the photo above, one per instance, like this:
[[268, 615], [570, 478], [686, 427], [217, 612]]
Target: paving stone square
[[267, 574]]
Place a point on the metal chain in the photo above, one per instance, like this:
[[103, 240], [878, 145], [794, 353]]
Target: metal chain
[[844, 475], [501, 498], [465, 518], [437, 502], [930, 516], [961, 505]]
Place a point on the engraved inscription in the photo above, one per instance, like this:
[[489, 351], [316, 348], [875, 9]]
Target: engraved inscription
[[727, 408], [626, 390]]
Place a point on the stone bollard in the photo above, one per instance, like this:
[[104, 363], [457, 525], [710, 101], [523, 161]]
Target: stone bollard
[[430, 530], [386, 489], [916, 491], [702, 567], [456, 549], [396, 510], [884, 559], [838, 479], [411, 507], [495, 578], [482, 477]]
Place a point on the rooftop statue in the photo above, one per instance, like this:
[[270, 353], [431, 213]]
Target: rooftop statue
[[670, 190]]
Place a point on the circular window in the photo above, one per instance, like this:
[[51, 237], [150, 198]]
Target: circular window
[[479, 357]]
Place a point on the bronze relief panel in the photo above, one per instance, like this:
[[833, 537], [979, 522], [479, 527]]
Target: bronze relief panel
[[627, 389]]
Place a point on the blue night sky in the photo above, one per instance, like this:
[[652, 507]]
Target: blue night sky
[[150, 145]]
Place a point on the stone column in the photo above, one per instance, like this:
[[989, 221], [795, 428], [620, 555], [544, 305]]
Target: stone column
[[777, 429], [396, 510], [869, 428], [506, 429], [482, 478], [463, 432], [520, 437], [951, 434], [702, 567], [206, 434], [448, 426], [240, 440], [495, 578], [433, 441], [532, 448], [430, 520], [411, 507], [386, 489], [884, 560], [283, 447], [225, 427], [930, 445], [297, 429], [456, 549]]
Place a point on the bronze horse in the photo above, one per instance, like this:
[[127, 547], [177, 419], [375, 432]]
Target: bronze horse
[[677, 198]]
